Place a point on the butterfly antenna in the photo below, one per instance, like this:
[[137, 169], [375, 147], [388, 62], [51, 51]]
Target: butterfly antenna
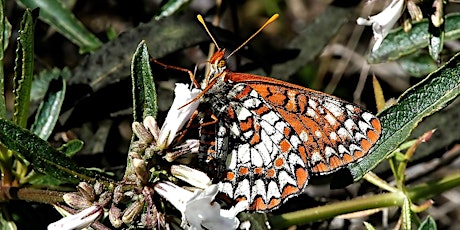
[[201, 20], [269, 21]]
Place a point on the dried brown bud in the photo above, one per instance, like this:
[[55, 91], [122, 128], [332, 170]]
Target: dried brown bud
[[142, 133], [140, 167], [132, 211], [76, 200], [86, 191], [115, 216]]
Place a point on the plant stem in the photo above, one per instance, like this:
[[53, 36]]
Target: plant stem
[[30, 195], [415, 193]]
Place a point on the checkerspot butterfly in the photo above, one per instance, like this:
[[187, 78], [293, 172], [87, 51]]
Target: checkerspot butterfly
[[270, 136]]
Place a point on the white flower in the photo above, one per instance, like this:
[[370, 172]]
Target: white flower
[[176, 117], [78, 221], [383, 22], [198, 209]]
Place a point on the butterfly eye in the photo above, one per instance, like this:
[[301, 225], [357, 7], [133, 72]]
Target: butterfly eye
[[221, 63]]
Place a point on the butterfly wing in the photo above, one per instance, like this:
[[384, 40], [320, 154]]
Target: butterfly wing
[[333, 132], [271, 135]]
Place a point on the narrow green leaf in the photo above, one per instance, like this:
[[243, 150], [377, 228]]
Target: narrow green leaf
[[144, 93], [63, 20], [406, 215], [4, 223], [171, 7], [23, 70], [428, 224], [49, 110], [399, 43], [40, 83], [72, 147], [418, 64], [5, 32], [43, 156], [430, 95]]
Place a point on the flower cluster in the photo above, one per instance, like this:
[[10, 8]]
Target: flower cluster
[[130, 201]]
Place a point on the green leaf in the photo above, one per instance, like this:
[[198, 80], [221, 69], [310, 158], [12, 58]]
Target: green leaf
[[428, 224], [430, 95], [5, 32], [63, 20], [171, 7], [41, 81], [144, 93], [23, 70], [418, 64], [72, 147], [112, 62], [399, 43], [43, 156], [406, 215], [49, 110]]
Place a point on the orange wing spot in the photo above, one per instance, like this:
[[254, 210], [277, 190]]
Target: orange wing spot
[[358, 154], [230, 176], [273, 203], [373, 136], [258, 204], [302, 103], [255, 139], [321, 167], [289, 190], [279, 162], [302, 177], [291, 106], [287, 131], [243, 171], [277, 99], [376, 124], [243, 93], [335, 161], [365, 144], [270, 173], [258, 170], [261, 110], [285, 146], [247, 125], [302, 153], [347, 158]]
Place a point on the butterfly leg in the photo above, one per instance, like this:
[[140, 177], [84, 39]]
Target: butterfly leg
[[192, 75]]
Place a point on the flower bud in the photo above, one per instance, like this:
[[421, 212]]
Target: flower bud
[[132, 211], [87, 191], [142, 133], [115, 216], [76, 200]]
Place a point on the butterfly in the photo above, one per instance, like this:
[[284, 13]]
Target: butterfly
[[269, 136]]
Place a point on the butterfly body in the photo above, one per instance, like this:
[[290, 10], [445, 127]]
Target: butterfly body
[[271, 136]]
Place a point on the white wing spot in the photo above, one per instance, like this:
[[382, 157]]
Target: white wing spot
[[329, 151], [312, 113], [303, 136], [270, 117], [333, 136], [330, 119], [243, 114], [318, 134]]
